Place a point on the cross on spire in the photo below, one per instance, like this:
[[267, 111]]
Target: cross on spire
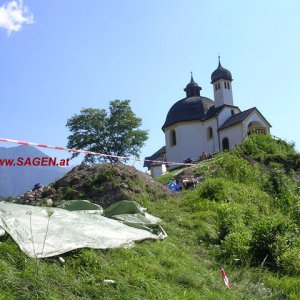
[[192, 79]]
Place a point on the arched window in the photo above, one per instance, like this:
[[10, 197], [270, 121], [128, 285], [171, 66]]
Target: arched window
[[225, 144], [209, 133], [172, 138]]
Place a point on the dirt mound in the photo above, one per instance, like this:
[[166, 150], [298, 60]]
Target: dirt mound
[[105, 184]]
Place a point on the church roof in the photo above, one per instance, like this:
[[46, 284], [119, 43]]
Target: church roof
[[158, 155], [220, 73], [188, 109], [237, 118], [214, 111]]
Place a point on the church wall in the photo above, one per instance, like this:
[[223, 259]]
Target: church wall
[[234, 134], [225, 114], [210, 146], [187, 143], [191, 140]]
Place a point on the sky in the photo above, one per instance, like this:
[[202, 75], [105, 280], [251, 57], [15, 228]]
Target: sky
[[57, 57]]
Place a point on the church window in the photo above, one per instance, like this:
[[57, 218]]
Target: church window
[[209, 133], [218, 85], [225, 84], [172, 138], [232, 112], [228, 85], [225, 144]]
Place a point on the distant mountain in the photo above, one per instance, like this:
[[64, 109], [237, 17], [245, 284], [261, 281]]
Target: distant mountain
[[16, 180]]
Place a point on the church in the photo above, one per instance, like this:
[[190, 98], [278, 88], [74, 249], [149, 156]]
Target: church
[[197, 125]]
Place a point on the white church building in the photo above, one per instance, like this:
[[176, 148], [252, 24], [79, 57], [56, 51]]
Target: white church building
[[195, 124]]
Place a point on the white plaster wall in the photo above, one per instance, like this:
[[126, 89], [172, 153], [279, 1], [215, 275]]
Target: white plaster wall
[[226, 113], [191, 140], [210, 146], [158, 170], [222, 95], [254, 117], [234, 134]]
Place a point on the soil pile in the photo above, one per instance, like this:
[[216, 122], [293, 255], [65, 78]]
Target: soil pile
[[103, 184]]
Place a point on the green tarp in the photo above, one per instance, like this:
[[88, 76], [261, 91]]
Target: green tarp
[[84, 206], [132, 214]]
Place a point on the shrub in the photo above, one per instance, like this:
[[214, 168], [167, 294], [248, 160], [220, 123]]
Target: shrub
[[230, 166], [265, 234], [237, 243], [289, 261]]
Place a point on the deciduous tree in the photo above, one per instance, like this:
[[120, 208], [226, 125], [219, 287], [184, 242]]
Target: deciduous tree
[[115, 132]]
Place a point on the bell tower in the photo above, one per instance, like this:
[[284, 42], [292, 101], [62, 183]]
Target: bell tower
[[221, 80]]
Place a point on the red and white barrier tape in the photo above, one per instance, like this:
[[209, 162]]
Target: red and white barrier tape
[[225, 278], [90, 152]]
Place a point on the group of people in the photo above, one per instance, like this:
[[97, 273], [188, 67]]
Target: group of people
[[203, 156], [186, 183]]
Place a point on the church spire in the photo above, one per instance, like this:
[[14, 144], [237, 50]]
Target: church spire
[[192, 79]]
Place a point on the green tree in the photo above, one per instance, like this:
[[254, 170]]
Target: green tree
[[114, 133]]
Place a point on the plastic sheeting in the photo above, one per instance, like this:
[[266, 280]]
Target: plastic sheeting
[[84, 206], [45, 232], [132, 214]]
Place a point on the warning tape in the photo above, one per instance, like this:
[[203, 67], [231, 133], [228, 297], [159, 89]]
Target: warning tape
[[225, 278], [90, 152]]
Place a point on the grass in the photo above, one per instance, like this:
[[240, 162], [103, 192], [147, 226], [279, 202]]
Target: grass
[[180, 267], [210, 227]]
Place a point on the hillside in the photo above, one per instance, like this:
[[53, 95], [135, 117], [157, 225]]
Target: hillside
[[16, 180], [243, 216]]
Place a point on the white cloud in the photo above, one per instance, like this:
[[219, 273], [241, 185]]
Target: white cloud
[[13, 15]]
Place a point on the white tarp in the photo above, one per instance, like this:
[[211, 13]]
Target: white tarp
[[44, 232]]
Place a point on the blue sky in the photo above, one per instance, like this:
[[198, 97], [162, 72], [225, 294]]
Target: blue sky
[[66, 55]]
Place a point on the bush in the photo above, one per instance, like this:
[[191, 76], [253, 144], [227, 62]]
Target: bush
[[237, 169], [236, 244], [265, 234], [265, 149], [289, 261], [283, 188]]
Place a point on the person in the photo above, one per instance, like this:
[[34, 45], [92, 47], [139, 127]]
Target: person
[[174, 186]]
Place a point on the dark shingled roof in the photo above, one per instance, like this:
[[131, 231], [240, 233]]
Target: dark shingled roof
[[158, 155], [220, 73], [237, 118], [214, 111], [188, 109]]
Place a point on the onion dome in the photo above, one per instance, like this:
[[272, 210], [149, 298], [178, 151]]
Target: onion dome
[[191, 108], [220, 73]]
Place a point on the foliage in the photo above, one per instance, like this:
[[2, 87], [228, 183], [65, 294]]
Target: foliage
[[266, 149], [7, 199], [115, 133]]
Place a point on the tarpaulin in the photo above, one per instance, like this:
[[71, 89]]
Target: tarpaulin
[[45, 232]]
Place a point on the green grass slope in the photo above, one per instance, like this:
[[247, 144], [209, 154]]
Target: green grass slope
[[244, 217]]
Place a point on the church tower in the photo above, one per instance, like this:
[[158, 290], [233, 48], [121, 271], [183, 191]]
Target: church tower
[[221, 80]]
